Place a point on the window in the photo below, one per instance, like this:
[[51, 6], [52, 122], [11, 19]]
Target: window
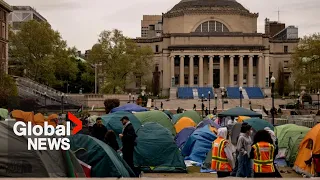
[[176, 62], [176, 79], [196, 62], [236, 63], [212, 26], [157, 48], [255, 62], [186, 79], [186, 62], [285, 49], [245, 63], [195, 79], [3, 30], [151, 27], [285, 64]]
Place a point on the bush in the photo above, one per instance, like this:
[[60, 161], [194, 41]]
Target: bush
[[307, 98], [8, 91], [109, 104]]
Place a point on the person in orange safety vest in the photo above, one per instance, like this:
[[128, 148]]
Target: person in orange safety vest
[[263, 154], [222, 158]]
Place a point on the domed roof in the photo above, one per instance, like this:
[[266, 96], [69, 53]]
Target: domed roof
[[186, 4]]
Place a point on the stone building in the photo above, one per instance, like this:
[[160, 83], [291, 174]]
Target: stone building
[[215, 43], [5, 9]]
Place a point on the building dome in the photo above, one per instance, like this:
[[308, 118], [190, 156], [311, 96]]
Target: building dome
[[191, 4]]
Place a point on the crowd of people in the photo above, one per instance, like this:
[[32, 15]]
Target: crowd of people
[[254, 156], [128, 138]]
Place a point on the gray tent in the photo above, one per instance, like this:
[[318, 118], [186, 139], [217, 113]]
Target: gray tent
[[17, 161]]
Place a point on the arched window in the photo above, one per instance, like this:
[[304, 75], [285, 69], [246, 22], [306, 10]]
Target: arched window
[[212, 26]]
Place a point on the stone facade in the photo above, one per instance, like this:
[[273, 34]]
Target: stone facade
[[217, 45], [5, 9]]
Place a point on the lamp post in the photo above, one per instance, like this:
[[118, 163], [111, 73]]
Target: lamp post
[[202, 106], [240, 90], [129, 97], [62, 103], [209, 93], [298, 102], [273, 81], [318, 101], [216, 100], [222, 98]]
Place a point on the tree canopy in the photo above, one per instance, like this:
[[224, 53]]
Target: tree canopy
[[39, 53], [119, 60], [306, 62]]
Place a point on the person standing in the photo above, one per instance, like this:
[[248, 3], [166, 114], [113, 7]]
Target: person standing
[[206, 111], [222, 158], [194, 107], [243, 147], [275, 144], [128, 138], [262, 153], [161, 105], [99, 130]]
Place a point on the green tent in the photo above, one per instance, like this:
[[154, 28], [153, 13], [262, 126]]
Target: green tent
[[259, 124], [3, 113], [289, 138], [156, 150], [158, 117], [112, 122], [168, 113], [189, 114], [239, 111], [104, 161]]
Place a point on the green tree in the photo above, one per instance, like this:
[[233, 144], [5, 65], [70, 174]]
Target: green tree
[[8, 91], [120, 60], [306, 62], [41, 52]]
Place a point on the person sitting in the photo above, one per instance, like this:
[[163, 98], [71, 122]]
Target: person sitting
[[262, 153]]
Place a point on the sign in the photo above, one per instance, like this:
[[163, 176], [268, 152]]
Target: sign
[[48, 137]]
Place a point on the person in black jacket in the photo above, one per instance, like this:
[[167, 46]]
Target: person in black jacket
[[128, 138], [99, 130], [111, 140]]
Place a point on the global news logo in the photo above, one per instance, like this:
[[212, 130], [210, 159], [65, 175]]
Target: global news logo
[[48, 137]]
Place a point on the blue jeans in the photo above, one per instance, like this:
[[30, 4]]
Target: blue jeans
[[244, 166]]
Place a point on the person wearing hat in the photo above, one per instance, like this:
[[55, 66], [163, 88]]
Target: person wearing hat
[[128, 138]]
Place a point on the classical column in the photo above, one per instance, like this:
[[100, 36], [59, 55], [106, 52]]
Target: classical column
[[250, 71], [210, 75], [231, 71], [260, 71], [172, 75], [191, 73], [200, 71], [181, 71], [221, 71], [240, 71]]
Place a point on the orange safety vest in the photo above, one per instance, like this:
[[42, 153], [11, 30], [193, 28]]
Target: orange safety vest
[[263, 157], [219, 157]]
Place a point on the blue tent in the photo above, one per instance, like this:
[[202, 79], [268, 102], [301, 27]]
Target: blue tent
[[183, 136], [129, 108], [198, 144], [206, 122]]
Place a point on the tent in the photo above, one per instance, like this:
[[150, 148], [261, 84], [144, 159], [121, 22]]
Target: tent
[[22, 116], [175, 118], [184, 122], [192, 115], [310, 145], [112, 122], [156, 150], [198, 144], [206, 122], [17, 161], [235, 132], [158, 117], [168, 113], [242, 118], [38, 119], [258, 124], [239, 111], [183, 136], [129, 108], [289, 138], [3, 113], [104, 161]]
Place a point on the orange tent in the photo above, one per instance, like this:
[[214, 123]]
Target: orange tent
[[53, 120], [183, 123], [39, 119], [309, 146], [242, 118], [23, 116]]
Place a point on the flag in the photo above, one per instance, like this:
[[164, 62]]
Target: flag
[[80, 109], [86, 168]]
